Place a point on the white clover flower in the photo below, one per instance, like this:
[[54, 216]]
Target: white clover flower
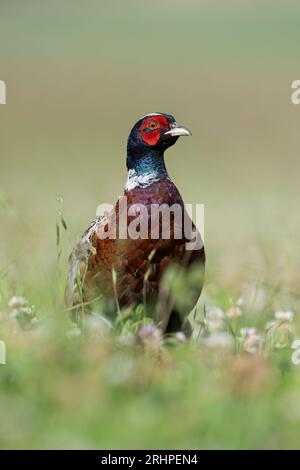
[[18, 302], [284, 315], [252, 343], [247, 331], [251, 339], [180, 336], [215, 319], [234, 312], [151, 337], [23, 312], [149, 330], [26, 310], [220, 340]]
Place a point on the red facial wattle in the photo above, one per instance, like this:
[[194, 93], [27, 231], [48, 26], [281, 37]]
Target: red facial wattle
[[151, 136]]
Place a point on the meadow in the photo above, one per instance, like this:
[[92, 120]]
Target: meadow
[[76, 79]]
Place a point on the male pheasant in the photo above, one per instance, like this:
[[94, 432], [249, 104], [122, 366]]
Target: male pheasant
[[125, 266]]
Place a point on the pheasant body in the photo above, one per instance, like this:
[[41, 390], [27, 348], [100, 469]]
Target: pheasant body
[[131, 268]]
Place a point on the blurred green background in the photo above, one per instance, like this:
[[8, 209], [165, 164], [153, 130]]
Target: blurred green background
[[79, 74]]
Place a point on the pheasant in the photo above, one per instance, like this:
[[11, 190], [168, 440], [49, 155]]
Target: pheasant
[[127, 267]]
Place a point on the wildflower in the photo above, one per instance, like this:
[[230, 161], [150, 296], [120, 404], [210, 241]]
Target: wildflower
[[22, 311], [284, 315], [149, 330], [215, 319], [234, 312], [151, 337], [252, 343], [18, 302], [180, 336], [247, 331], [220, 340], [251, 339]]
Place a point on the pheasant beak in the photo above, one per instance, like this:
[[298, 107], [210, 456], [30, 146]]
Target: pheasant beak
[[177, 130]]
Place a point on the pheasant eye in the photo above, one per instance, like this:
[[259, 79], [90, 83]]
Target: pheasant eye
[[152, 125]]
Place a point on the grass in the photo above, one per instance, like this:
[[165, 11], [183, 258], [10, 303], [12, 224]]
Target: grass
[[122, 385], [76, 81]]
